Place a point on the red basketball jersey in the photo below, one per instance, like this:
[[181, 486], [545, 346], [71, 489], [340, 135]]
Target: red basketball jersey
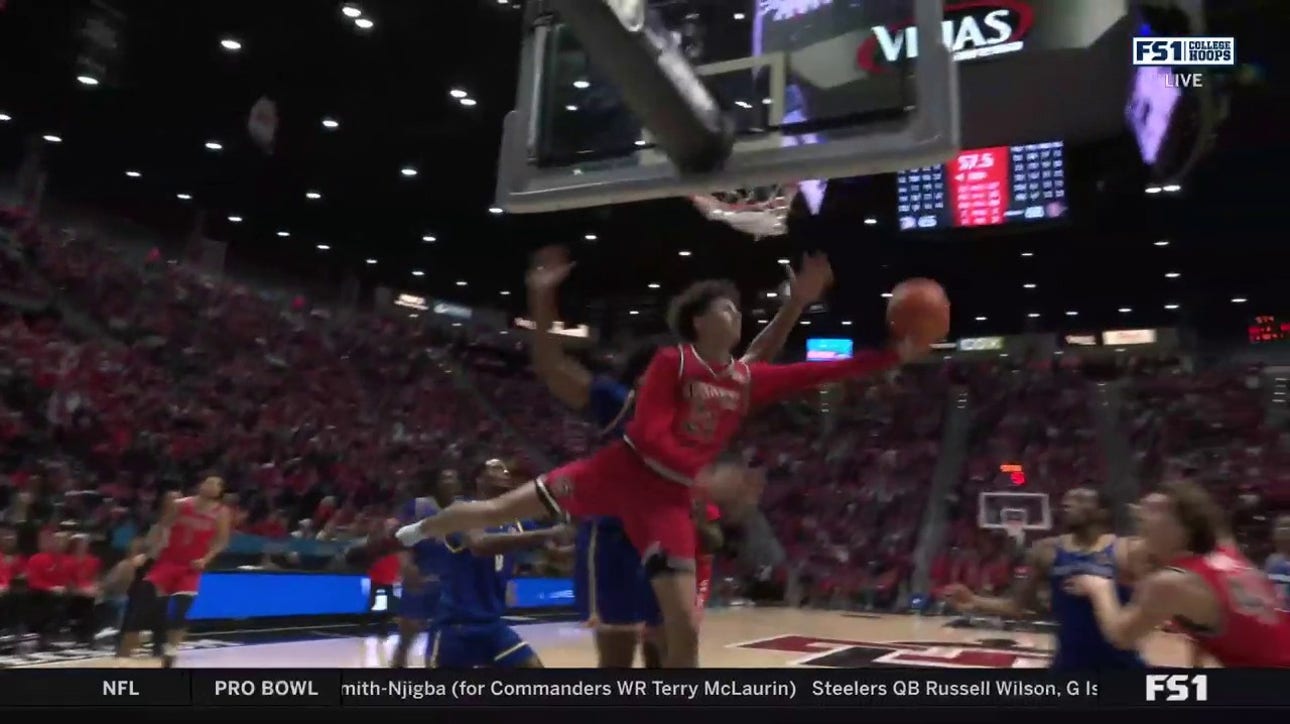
[[687, 410], [190, 536], [1252, 633]]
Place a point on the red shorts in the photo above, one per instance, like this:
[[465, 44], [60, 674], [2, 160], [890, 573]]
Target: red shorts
[[174, 579], [614, 482]]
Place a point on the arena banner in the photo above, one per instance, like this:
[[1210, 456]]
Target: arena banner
[[762, 694], [252, 594]]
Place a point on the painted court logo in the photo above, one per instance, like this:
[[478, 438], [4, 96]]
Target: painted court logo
[[849, 654]]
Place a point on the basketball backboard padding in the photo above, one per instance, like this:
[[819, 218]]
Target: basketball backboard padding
[[928, 135]]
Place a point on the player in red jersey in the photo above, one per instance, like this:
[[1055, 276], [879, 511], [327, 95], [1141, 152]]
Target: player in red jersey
[[690, 402], [1226, 603], [192, 532]]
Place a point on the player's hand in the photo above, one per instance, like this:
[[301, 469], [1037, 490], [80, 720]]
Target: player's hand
[[200, 564], [1086, 585], [960, 596], [138, 560], [562, 535], [809, 284], [549, 269]]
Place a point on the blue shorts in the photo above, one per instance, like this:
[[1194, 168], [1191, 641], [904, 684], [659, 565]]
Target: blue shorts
[[609, 584], [475, 645], [419, 604], [1101, 659]]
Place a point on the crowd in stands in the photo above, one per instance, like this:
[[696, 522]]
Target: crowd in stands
[[122, 377]]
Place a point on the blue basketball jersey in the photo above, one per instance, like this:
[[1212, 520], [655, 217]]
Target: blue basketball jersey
[[610, 586], [1080, 643], [468, 629], [1278, 570], [473, 588]]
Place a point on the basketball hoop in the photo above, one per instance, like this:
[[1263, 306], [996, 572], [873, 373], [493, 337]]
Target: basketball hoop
[[760, 211], [1016, 530]]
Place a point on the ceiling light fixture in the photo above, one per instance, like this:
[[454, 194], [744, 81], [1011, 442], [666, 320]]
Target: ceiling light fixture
[[184, 197], [364, 23], [133, 174], [235, 219], [429, 239], [51, 138], [87, 80], [469, 102], [351, 11], [330, 124], [230, 45]]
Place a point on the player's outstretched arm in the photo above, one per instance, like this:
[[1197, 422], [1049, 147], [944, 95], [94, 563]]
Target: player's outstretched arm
[[496, 544], [1024, 600], [568, 380], [805, 288], [1152, 605]]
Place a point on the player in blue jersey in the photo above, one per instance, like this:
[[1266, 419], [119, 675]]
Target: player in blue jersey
[[469, 630], [1087, 548], [611, 589], [420, 565], [1278, 564]]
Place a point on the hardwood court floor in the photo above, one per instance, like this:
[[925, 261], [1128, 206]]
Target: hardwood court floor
[[733, 638]]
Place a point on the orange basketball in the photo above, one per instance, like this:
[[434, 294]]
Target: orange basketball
[[920, 310]]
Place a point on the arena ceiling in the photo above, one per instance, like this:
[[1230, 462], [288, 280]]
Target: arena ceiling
[[177, 86]]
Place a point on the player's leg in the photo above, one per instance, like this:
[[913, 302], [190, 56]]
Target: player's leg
[[652, 647], [610, 581], [512, 652], [141, 613], [572, 490], [181, 603], [434, 646], [675, 589], [408, 630], [658, 522]]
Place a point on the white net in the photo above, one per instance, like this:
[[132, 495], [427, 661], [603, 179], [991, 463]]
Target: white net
[[760, 211]]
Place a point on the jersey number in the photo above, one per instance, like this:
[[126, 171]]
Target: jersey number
[[499, 562], [1248, 592]]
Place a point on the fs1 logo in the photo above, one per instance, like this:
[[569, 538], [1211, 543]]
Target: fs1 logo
[[1193, 52], [1177, 687]]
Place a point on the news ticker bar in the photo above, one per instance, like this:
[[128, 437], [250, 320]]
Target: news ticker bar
[[761, 688]]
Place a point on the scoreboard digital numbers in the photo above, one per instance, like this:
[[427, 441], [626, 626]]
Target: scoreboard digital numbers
[[985, 187], [1267, 328]]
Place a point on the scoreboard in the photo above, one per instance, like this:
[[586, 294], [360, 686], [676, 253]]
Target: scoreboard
[[985, 187], [1268, 328]]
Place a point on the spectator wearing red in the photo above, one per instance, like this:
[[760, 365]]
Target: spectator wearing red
[[12, 567], [47, 581], [83, 568]]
